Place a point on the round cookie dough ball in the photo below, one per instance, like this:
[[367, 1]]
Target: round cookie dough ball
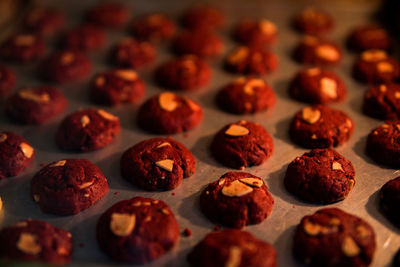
[[242, 144], [319, 126], [44, 21], [87, 130], [35, 241], [256, 32], [138, 230], [85, 38], [246, 95], [202, 16], [313, 21], [157, 164], [368, 37], [383, 101], [155, 28], [130, 53], [23, 48], [389, 200], [7, 81], [109, 15], [167, 113], [232, 247], [237, 199], [15, 154], [320, 176], [332, 237]]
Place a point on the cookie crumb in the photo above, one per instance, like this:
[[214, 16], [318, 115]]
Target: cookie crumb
[[187, 232]]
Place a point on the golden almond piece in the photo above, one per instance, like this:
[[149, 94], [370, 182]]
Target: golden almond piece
[[128, 75], [238, 55], [251, 84], [236, 189], [312, 228], [254, 182], [189, 65], [59, 163], [100, 81], [62, 251], [67, 58], [26, 149], [1, 204], [192, 105], [166, 164], [24, 40], [314, 71], [382, 88], [328, 87], [327, 52], [337, 166], [237, 130], [106, 115], [122, 224], [310, 115], [163, 145], [27, 243], [30, 94], [373, 55], [36, 197], [167, 101], [3, 137], [397, 95], [350, 247], [309, 40], [334, 221], [85, 120], [235, 257], [267, 27], [384, 67], [85, 185], [165, 211], [362, 231], [221, 181]]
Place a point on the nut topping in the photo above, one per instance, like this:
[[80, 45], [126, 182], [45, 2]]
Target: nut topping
[[382, 88], [337, 166], [350, 247], [384, 67], [58, 163], [238, 55], [1, 204], [87, 184], [267, 27], [3, 137], [254, 182], [62, 251], [373, 55], [327, 52], [310, 115], [100, 80], [106, 115], [27, 243], [122, 224], [312, 228], [85, 120], [26, 149], [29, 94], [24, 40], [128, 75], [67, 58], [235, 257], [328, 87], [237, 130], [167, 101], [313, 71], [165, 211], [397, 94], [251, 84], [166, 164], [192, 105], [163, 144], [36, 197], [362, 231], [236, 189]]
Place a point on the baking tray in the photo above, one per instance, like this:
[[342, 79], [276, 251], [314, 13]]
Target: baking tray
[[279, 227]]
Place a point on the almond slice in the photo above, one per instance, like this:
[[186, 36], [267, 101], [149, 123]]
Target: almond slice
[[251, 84], [235, 257], [167, 101], [236, 189], [27, 243], [337, 166], [26, 149], [238, 55], [350, 247], [192, 105], [58, 163], [237, 130], [163, 145], [128, 75], [1, 204], [254, 182], [24, 40], [166, 164], [30, 94], [267, 27], [384, 67], [85, 120], [327, 52], [106, 115], [373, 55], [310, 115], [3, 137], [122, 224], [85, 185], [328, 87]]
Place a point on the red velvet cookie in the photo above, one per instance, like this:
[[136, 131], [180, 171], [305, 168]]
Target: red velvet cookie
[[35, 241], [375, 66], [84, 38], [129, 53], [168, 113], [332, 237], [23, 48], [87, 130], [157, 164], [369, 37], [237, 199], [66, 66], [317, 86], [232, 247], [242, 144], [313, 21], [383, 101], [155, 28], [251, 60], [254, 32], [110, 15], [246, 95], [15, 154], [317, 51], [44, 21], [320, 127], [7, 81], [35, 105], [117, 86], [68, 186], [203, 16], [389, 200], [185, 73], [138, 230]]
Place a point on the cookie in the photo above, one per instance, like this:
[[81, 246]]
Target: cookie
[[383, 101], [203, 43], [86, 38], [157, 164], [317, 86], [7, 81], [368, 37], [242, 144], [313, 21], [35, 241], [251, 60], [375, 66], [137, 230], [117, 86], [23, 48], [109, 15], [87, 130], [167, 113], [320, 176], [15, 154], [246, 95], [184, 73], [389, 200], [317, 51], [202, 16], [319, 126], [155, 28], [232, 247], [332, 237], [255, 32], [66, 66], [382, 145], [44, 21], [130, 53], [68, 186], [237, 199]]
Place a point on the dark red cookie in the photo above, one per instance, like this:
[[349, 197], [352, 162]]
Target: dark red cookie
[[117, 86], [110, 15], [168, 113], [44, 21], [242, 144], [129, 53], [246, 95], [84, 38], [35, 105], [203, 16], [68, 186], [66, 66], [23, 48], [382, 144], [156, 27], [317, 86], [256, 32], [383, 101], [389, 200], [203, 43], [87, 130], [375, 66], [137, 230], [317, 51], [185, 73], [157, 163], [369, 37], [15, 154], [237, 199], [35, 241], [332, 237], [232, 247], [251, 60], [320, 176], [313, 21], [320, 127], [7, 81]]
